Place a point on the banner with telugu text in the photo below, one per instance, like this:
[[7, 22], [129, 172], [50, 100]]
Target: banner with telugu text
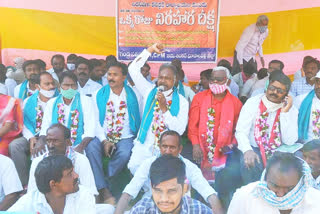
[[188, 29]]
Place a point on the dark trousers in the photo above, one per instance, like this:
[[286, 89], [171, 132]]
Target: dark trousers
[[95, 153], [236, 65], [228, 179], [254, 173]]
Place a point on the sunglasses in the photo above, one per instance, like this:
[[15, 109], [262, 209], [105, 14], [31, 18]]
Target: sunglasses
[[217, 79], [278, 90]]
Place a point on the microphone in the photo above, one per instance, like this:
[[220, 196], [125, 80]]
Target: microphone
[[161, 88]]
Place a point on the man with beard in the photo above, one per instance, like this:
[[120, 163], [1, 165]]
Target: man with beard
[[286, 187], [164, 108], [33, 109], [311, 154], [31, 68], [306, 84], [58, 66], [86, 86], [266, 121], [309, 112], [58, 143], [167, 176], [58, 190], [117, 106]]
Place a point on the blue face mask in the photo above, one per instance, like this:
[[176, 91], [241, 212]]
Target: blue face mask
[[68, 94], [262, 29]]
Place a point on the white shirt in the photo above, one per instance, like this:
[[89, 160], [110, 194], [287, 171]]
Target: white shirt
[[9, 179], [81, 167], [317, 182], [259, 86], [238, 79], [81, 202], [233, 88], [11, 84], [89, 119], [244, 202], [189, 94], [54, 74], [17, 90], [315, 105], [89, 88], [26, 132], [193, 174], [144, 87], [3, 89], [250, 43], [246, 122], [126, 131]]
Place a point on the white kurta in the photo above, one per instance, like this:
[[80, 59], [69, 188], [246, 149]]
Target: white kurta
[[9, 179], [246, 122], [141, 152], [89, 88], [17, 90], [244, 202], [89, 118], [315, 105], [126, 131], [81, 202], [81, 167]]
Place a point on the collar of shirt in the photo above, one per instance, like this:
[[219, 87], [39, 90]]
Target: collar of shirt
[[88, 83], [304, 80], [122, 95]]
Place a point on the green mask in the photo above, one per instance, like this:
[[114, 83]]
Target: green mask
[[68, 94]]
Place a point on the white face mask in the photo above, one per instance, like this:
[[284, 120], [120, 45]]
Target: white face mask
[[46, 93], [168, 92], [71, 66]]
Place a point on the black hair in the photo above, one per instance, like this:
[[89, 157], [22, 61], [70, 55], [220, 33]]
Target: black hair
[[287, 162], [248, 68], [72, 57], [111, 58], [146, 65], [82, 60], [169, 66], [66, 131], [262, 73], [51, 168], [2, 73], [30, 62], [36, 78], [57, 56], [177, 63], [171, 133], [311, 60], [278, 62], [41, 63], [206, 73], [167, 167], [279, 76], [124, 67], [95, 63], [69, 74], [312, 145], [225, 63]]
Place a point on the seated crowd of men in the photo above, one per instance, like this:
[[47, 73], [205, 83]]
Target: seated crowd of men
[[254, 137]]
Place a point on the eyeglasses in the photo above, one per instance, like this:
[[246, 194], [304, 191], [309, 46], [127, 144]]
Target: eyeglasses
[[278, 90], [217, 79]]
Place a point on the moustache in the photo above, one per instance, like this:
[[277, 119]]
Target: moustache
[[76, 181], [83, 74], [111, 81], [274, 95]]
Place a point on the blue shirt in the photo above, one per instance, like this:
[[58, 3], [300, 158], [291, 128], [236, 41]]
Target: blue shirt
[[189, 206], [300, 86]]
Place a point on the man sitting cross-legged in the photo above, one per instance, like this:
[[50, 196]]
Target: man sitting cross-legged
[[286, 188], [167, 176], [170, 144], [59, 190]]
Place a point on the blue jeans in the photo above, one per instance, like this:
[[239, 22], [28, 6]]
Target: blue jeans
[[95, 153]]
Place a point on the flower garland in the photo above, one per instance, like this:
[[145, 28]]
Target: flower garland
[[316, 124], [74, 121], [158, 125], [39, 116], [29, 93], [269, 147], [210, 133], [115, 124]]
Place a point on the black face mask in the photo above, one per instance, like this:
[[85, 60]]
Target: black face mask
[[58, 70]]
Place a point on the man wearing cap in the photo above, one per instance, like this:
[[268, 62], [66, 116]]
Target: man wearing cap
[[212, 121], [309, 112]]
